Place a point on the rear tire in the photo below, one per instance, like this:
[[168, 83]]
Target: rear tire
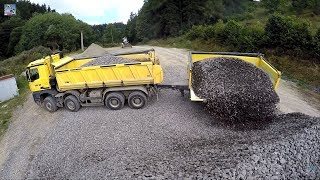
[[137, 100], [71, 103], [115, 100], [50, 104]]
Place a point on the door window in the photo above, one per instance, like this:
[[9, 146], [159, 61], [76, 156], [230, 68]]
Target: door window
[[34, 74]]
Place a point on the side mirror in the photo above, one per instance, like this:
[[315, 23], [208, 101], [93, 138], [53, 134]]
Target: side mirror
[[61, 54]]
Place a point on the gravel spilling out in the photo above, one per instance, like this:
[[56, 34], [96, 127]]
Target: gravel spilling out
[[108, 59], [236, 91]]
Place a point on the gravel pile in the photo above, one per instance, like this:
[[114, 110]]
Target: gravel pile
[[236, 90], [108, 59], [176, 146], [93, 50], [289, 149]]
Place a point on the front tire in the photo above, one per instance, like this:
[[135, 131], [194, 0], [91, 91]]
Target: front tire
[[71, 103], [50, 104], [137, 100], [115, 100]]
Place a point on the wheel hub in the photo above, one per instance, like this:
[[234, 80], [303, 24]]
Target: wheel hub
[[49, 106], [114, 102], [71, 105], [137, 101]]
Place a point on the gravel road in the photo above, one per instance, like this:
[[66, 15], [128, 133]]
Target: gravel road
[[170, 138]]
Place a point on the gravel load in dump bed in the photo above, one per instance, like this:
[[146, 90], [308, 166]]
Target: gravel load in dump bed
[[93, 50], [108, 59], [236, 90]]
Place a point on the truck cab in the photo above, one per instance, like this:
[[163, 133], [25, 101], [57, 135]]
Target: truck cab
[[40, 76]]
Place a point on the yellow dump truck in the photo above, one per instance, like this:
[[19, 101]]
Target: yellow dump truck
[[57, 81], [256, 59]]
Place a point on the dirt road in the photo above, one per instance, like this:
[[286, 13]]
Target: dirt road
[[170, 138]]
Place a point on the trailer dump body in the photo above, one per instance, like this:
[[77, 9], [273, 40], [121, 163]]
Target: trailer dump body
[[144, 73], [254, 58], [142, 56]]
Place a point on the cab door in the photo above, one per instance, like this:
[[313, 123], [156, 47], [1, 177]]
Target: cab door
[[38, 78]]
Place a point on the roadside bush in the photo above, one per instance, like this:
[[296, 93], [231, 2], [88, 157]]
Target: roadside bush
[[288, 33], [316, 41], [205, 31], [209, 32], [196, 32], [231, 33], [17, 64], [251, 39], [219, 30]]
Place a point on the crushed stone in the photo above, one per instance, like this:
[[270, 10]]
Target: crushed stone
[[235, 90]]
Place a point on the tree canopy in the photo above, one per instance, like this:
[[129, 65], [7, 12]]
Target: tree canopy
[[10, 27], [57, 31]]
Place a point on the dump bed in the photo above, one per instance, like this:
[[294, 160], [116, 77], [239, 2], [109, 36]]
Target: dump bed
[[143, 73], [70, 76], [253, 58]]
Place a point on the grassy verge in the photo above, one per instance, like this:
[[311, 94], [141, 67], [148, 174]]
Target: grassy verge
[[16, 65], [182, 42], [301, 71], [7, 107]]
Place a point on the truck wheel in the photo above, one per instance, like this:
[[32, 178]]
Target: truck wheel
[[137, 100], [115, 100], [71, 103], [50, 104]]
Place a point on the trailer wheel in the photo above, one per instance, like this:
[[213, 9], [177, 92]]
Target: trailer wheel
[[71, 103], [115, 100], [137, 100], [50, 104]]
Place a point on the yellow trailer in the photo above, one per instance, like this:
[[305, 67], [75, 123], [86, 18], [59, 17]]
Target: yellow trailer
[[57, 82], [256, 59]]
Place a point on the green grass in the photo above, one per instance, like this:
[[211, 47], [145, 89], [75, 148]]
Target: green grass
[[261, 15], [182, 42], [7, 107], [301, 71]]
